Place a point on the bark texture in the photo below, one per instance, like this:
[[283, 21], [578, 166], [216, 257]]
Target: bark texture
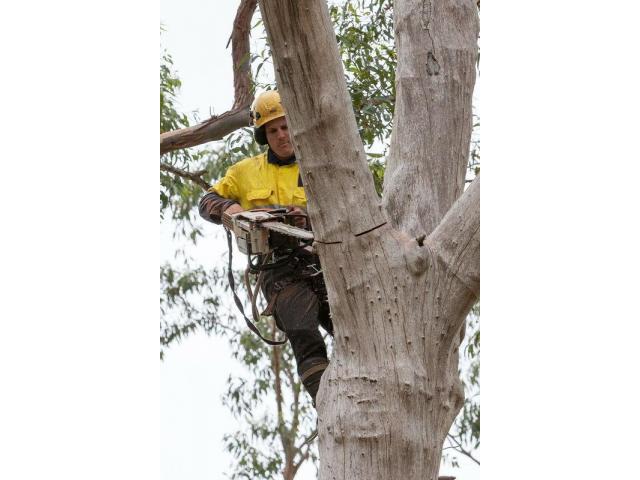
[[398, 302], [436, 43]]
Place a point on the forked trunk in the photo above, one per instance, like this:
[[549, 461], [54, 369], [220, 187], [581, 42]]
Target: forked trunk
[[398, 302]]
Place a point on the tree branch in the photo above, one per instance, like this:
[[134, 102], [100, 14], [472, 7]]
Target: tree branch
[[275, 366], [195, 177], [218, 126], [306, 441], [303, 458], [241, 53], [456, 240], [213, 129], [458, 448], [296, 399], [285, 436], [230, 329]]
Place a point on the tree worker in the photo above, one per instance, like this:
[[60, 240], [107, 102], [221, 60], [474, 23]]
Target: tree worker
[[272, 180]]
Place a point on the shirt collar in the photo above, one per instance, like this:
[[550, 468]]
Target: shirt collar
[[272, 158]]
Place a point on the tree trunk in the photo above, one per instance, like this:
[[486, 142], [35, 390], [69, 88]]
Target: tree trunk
[[398, 302]]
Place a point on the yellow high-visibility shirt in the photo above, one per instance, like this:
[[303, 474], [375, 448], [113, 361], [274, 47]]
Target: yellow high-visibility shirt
[[256, 183]]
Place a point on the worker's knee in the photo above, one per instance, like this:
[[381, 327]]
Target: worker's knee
[[297, 307]]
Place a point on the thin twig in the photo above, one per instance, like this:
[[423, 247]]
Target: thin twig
[[303, 458], [296, 399], [230, 329], [285, 437], [460, 449], [195, 177], [306, 441]]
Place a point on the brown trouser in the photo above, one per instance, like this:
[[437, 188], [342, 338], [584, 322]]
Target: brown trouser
[[299, 307]]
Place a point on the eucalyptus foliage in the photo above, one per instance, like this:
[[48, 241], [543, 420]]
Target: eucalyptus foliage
[[178, 196], [272, 408], [370, 72]]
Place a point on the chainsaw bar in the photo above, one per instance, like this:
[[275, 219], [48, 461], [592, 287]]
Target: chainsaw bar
[[288, 230], [266, 220]]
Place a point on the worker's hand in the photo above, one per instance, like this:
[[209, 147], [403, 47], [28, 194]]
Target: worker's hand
[[299, 221], [235, 208], [226, 215]]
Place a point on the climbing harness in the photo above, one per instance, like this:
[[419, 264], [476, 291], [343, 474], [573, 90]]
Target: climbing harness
[[269, 243]]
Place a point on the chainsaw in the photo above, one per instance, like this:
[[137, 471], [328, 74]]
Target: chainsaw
[[259, 232]]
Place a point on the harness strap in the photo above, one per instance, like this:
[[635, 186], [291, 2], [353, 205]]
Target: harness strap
[[238, 302], [272, 303], [315, 369]]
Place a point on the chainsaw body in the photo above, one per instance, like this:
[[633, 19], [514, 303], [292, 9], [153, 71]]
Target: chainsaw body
[[259, 232]]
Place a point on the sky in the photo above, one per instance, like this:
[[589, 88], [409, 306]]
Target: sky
[[193, 374]]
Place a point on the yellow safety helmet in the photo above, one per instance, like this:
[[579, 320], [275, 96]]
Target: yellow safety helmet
[[267, 107]]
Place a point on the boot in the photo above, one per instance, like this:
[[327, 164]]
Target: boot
[[311, 376]]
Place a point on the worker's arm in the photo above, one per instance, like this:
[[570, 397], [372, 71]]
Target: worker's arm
[[212, 206], [223, 197]]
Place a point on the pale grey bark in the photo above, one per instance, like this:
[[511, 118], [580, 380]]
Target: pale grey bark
[[456, 241], [437, 52], [398, 302]]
